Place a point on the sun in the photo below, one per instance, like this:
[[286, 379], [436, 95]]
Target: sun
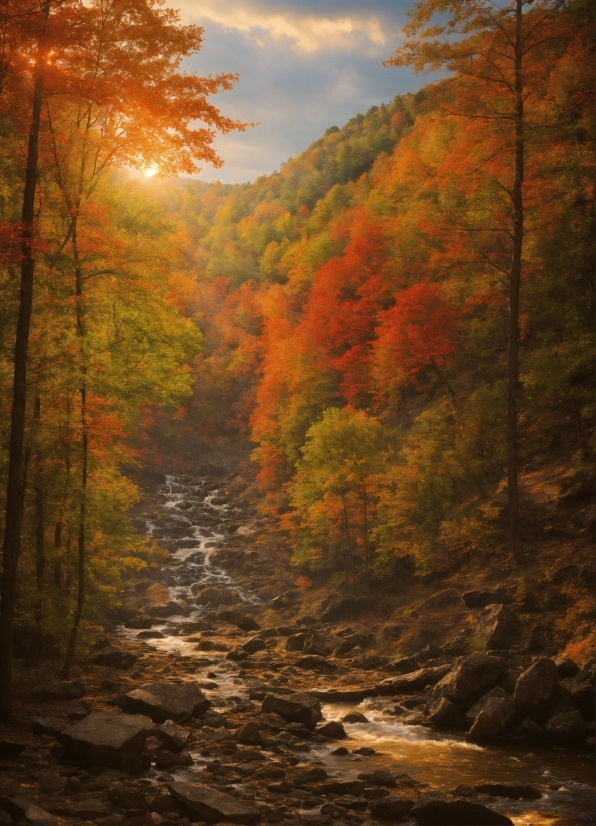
[[151, 170]]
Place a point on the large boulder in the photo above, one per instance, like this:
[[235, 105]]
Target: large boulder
[[295, 642], [320, 644], [567, 728], [497, 626], [165, 701], [295, 708], [536, 688], [212, 806], [444, 713], [109, 738], [471, 677], [64, 690], [345, 608], [240, 620], [403, 665], [480, 598], [414, 682], [479, 705], [115, 658], [11, 746], [514, 791], [436, 812], [391, 808], [496, 717], [314, 662]]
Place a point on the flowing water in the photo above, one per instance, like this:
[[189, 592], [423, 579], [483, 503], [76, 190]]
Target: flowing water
[[191, 522]]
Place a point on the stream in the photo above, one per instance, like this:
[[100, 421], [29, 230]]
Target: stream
[[189, 516]]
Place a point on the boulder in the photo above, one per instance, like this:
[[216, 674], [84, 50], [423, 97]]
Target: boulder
[[354, 717], [345, 608], [295, 708], [240, 620], [140, 622], [295, 642], [515, 791], [411, 683], [379, 777], [90, 809], [249, 734], [285, 600], [497, 626], [480, 598], [355, 787], [254, 644], [115, 658], [478, 706], [444, 713], [109, 738], [320, 644], [352, 641], [211, 805], [391, 808], [314, 662], [214, 595], [172, 735], [367, 662], [48, 725], [169, 609], [125, 797], [64, 690], [540, 639], [403, 665], [39, 817], [536, 688], [165, 701], [436, 812], [567, 728], [471, 677], [429, 652], [11, 746], [167, 760], [332, 730], [566, 667], [496, 717]]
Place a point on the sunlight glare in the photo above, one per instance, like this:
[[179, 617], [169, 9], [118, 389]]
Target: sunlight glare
[[151, 170]]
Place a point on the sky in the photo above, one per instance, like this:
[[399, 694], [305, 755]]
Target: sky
[[304, 65]]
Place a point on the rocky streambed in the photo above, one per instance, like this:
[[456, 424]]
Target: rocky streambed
[[199, 710]]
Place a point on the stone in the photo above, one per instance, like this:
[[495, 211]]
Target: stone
[[249, 734], [436, 812], [471, 677], [11, 747], [354, 717], [64, 690], [346, 608], [48, 725], [352, 641], [253, 645], [332, 730], [140, 622], [314, 662], [115, 658], [312, 775], [475, 710], [295, 708], [90, 809], [444, 713], [166, 759], [240, 620], [403, 665], [5, 818], [169, 609], [39, 817], [320, 644], [566, 667], [165, 701], [369, 661], [429, 652], [515, 791], [379, 777], [126, 798], [355, 787], [295, 642], [211, 805], [497, 626], [411, 683], [50, 782], [496, 717], [480, 598], [109, 739], [536, 688], [173, 736], [285, 600], [567, 728], [237, 655], [391, 808], [150, 635]]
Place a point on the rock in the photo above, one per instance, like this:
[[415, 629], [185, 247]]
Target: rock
[[313, 662], [166, 760], [369, 661], [444, 713], [109, 738], [567, 728], [411, 683], [64, 690], [11, 747], [352, 641], [115, 658], [253, 645], [429, 652], [285, 600], [172, 735], [536, 688], [332, 730], [5, 818], [566, 667], [496, 717], [140, 622], [150, 635], [296, 708], [320, 644], [437, 812], [215, 596], [365, 751], [237, 655], [479, 598], [48, 725], [380, 777], [530, 729], [50, 782], [391, 808], [404, 665], [211, 805], [295, 642], [313, 775], [126, 798], [240, 620], [165, 701], [90, 809], [475, 710], [540, 639], [515, 791], [354, 717], [39, 817], [355, 787], [249, 734], [497, 626], [345, 608], [471, 677]]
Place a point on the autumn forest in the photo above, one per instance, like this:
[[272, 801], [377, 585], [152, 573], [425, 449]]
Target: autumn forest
[[393, 334]]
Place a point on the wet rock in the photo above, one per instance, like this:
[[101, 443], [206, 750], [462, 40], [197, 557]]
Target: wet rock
[[496, 717], [345, 608], [150, 635], [437, 812], [333, 730], [497, 626], [411, 683], [11, 746], [140, 622], [125, 797], [391, 808], [355, 787], [295, 642], [320, 644], [64, 690], [367, 662], [249, 734], [341, 751], [379, 777], [240, 620], [167, 760], [237, 655], [165, 701], [404, 665], [313, 662], [345, 695], [536, 688], [39, 817], [471, 677], [315, 774], [350, 801], [214, 719], [444, 713], [567, 728], [90, 809], [211, 805], [253, 645], [566, 667], [109, 739], [354, 717], [478, 706], [213, 595], [115, 658], [172, 735], [515, 791]]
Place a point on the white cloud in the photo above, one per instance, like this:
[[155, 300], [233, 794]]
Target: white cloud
[[307, 33]]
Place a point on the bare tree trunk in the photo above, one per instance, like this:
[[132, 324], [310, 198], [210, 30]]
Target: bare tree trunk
[[365, 526], [514, 288], [39, 542], [16, 464]]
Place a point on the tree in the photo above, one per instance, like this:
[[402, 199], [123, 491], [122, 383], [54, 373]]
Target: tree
[[500, 55]]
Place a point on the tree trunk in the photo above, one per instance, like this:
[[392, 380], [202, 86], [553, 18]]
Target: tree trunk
[[514, 287], [16, 465], [40, 561]]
